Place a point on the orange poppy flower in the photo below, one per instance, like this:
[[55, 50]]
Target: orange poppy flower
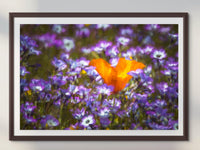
[[116, 76]]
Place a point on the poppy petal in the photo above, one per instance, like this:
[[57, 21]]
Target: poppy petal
[[106, 71], [117, 76]]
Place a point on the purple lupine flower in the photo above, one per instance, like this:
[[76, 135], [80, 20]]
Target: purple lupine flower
[[83, 32], [173, 91], [78, 69], [49, 121], [135, 73], [103, 26], [41, 95], [148, 70], [132, 51], [114, 61], [57, 102], [48, 97], [73, 75], [90, 100], [173, 124], [73, 64], [23, 85], [26, 43], [172, 65], [152, 27], [68, 44], [148, 40], [166, 72], [158, 54], [87, 121], [150, 88], [148, 49], [145, 79], [59, 80], [91, 71], [127, 55], [75, 100], [141, 98], [105, 89], [140, 51], [47, 85], [162, 87], [126, 31], [30, 119], [82, 62], [174, 36], [78, 113], [99, 80], [159, 103], [27, 110], [86, 50], [104, 44], [49, 40], [122, 41], [58, 28], [151, 113], [95, 106], [73, 89], [121, 113], [129, 95], [57, 94], [27, 107], [32, 51], [37, 85], [139, 73], [134, 107], [112, 52], [59, 64], [64, 57], [156, 126], [79, 63], [165, 29], [127, 113], [65, 94], [114, 104], [83, 90], [97, 49], [104, 112], [105, 122], [23, 71], [101, 46], [80, 25]]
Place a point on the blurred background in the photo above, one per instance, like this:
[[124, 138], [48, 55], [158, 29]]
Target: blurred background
[[192, 7]]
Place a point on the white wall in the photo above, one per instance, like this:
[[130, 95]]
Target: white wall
[[192, 7]]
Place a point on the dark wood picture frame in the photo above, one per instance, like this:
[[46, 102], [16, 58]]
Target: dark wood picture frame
[[98, 138]]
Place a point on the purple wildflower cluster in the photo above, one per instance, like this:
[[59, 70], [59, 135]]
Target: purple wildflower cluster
[[59, 90]]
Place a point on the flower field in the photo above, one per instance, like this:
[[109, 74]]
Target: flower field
[[99, 77]]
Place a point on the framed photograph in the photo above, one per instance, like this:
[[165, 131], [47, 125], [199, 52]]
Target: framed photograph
[[98, 76]]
